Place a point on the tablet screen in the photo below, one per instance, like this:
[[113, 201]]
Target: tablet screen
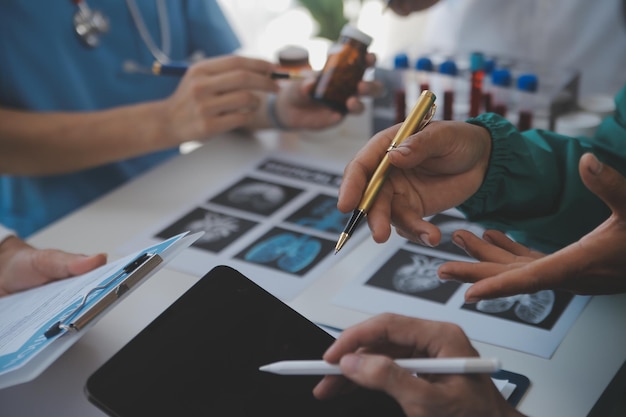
[[201, 358]]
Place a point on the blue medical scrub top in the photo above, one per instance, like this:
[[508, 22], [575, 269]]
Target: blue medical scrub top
[[45, 67]]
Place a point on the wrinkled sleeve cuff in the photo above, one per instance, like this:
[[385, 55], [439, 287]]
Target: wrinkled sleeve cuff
[[503, 136]]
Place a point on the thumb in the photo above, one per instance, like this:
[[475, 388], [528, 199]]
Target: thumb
[[411, 152], [605, 182], [59, 264], [379, 373]]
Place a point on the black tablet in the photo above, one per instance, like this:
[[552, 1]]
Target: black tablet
[[201, 358]]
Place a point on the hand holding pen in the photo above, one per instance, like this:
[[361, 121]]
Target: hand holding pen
[[433, 170], [417, 119], [233, 91]]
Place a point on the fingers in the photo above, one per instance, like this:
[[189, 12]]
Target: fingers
[[358, 171], [406, 7], [371, 88], [83, 264], [224, 74], [417, 230], [409, 337], [355, 105], [605, 182], [331, 386], [495, 247], [472, 271], [501, 240], [381, 373], [379, 216], [545, 273], [56, 264], [230, 63]]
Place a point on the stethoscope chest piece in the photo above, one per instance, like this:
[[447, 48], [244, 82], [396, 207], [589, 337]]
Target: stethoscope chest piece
[[89, 24]]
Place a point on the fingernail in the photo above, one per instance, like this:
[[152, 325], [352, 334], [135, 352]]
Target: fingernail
[[595, 166], [458, 241], [444, 276], [426, 240], [471, 300], [403, 150], [351, 363]]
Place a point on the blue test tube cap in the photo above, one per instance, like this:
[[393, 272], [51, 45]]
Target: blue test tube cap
[[477, 61], [448, 68], [528, 82], [401, 61], [490, 65], [501, 77], [424, 64]]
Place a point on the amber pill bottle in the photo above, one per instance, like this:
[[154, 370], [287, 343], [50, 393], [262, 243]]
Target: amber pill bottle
[[293, 59], [343, 70]]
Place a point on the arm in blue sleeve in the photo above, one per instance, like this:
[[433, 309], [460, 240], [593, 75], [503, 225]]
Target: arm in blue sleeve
[[209, 29]]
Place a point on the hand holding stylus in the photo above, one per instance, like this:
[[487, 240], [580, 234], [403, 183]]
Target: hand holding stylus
[[364, 354]]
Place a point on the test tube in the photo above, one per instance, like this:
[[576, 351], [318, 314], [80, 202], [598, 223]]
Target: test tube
[[448, 71], [501, 90], [401, 67], [423, 67], [489, 68], [527, 88], [477, 62]]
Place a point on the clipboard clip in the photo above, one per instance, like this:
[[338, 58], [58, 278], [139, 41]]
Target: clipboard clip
[[132, 273]]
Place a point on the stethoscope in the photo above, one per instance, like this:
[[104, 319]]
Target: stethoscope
[[91, 24]]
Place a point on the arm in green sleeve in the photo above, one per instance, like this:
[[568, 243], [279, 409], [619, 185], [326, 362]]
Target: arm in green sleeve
[[532, 189]]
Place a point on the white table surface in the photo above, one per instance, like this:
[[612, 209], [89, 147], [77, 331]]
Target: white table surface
[[568, 384]]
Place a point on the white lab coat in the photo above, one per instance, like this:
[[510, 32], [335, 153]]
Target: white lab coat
[[583, 35]]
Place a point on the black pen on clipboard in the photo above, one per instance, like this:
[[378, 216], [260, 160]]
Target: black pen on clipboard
[[131, 273]]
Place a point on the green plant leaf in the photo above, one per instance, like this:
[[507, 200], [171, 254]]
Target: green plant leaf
[[329, 16]]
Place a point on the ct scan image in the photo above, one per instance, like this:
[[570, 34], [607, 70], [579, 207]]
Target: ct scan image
[[220, 230], [541, 309], [414, 274], [256, 196], [287, 251], [321, 214]]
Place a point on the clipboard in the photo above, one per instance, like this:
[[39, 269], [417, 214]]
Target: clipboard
[[56, 315]]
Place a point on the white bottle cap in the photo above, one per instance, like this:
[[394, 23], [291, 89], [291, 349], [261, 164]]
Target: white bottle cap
[[577, 124], [602, 105], [354, 33]]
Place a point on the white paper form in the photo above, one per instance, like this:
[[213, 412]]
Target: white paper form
[[276, 222], [403, 280], [30, 338]]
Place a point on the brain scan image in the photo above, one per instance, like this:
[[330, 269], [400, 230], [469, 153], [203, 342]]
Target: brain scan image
[[258, 195]]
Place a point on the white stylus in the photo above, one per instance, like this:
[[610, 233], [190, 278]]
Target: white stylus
[[418, 366]]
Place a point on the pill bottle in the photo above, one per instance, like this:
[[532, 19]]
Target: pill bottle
[[343, 70], [293, 58]]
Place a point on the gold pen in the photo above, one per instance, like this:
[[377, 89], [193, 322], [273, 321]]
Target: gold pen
[[419, 117]]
